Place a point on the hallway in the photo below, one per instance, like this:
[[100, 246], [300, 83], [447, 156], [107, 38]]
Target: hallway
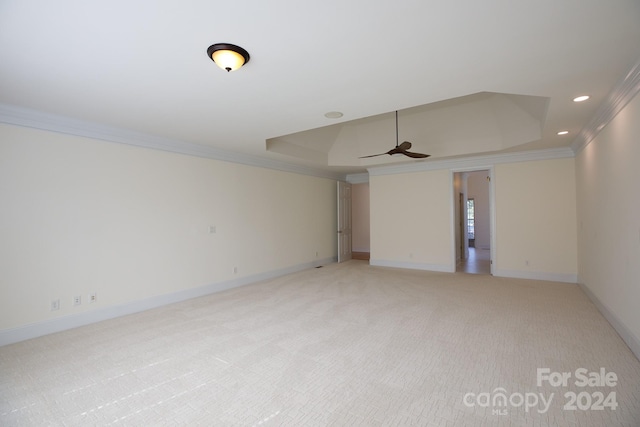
[[479, 262]]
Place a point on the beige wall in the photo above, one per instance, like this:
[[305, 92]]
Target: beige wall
[[536, 219], [79, 216], [535, 203], [411, 217], [608, 182]]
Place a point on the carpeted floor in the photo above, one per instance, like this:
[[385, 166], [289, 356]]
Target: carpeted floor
[[346, 344]]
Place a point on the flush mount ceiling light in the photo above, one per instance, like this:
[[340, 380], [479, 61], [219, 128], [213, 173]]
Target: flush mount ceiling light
[[563, 132], [581, 98], [228, 56], [333, 115]]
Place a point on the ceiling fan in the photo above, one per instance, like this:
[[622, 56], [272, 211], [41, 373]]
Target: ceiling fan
[[400, 149]]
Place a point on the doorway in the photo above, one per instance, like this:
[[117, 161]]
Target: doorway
[[344, 221], [361, 235], [353, 221], [474, 217]]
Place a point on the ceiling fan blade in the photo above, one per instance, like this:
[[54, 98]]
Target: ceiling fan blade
[[373, 155], [416, 155], [404, 146], [390, 152]]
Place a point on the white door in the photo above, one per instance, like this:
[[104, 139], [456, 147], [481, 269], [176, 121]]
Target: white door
[[344, 221]]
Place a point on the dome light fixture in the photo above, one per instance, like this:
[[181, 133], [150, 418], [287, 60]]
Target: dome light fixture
[[228, 56], [581, 98], [563, 132]]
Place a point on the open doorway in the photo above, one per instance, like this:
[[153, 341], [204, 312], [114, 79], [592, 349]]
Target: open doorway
[[353, 221], [361, 223], [473, 217]]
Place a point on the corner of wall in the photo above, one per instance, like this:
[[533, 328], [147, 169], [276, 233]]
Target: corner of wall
[[632, 341]]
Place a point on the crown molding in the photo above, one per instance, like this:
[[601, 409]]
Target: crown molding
[[623, 92], [25, 117], [20, 116], [466, 163], [357, 178]]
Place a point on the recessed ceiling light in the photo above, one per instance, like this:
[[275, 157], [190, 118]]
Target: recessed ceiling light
[[563, 132], [333, 115], [581, 98]]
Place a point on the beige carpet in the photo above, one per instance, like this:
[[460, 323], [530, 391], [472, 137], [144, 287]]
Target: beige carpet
[[347, 344]]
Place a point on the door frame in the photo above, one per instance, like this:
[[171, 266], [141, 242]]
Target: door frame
[[492, 212]]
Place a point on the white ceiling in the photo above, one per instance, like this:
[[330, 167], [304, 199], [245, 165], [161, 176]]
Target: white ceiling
[[448, 66]]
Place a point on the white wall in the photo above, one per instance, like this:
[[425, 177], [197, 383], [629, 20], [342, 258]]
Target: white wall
[[536, 220], [608, 195], [411, 217], [478, 189], [79, 215], [360, 211], [535, 202]]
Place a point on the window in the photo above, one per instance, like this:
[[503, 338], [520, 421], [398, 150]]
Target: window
[[471, 229]]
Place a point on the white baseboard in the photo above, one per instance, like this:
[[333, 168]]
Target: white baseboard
[[625, 333], [63, 323], [534, 275], [362, 250], [537, 275], [413, 265]]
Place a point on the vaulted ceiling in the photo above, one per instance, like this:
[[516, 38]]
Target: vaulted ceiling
[[467, 77], [479, 123]]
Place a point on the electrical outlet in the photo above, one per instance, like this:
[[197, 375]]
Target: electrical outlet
[[212, 229], [93, 297], [77, 300], [55, 305]]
